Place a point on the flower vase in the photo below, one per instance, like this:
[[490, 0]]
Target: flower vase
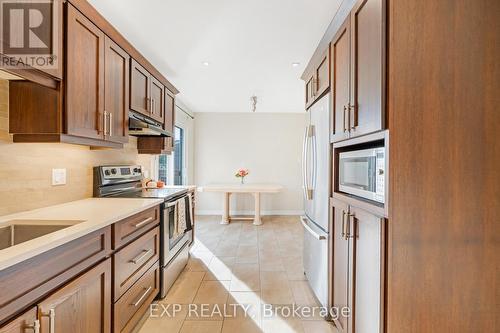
[[242, 180]]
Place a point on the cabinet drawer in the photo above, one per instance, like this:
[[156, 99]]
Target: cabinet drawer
[[134, 226], [135, 302], [131, 262]]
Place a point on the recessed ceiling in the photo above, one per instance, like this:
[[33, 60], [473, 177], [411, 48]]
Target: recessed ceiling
[[219, 53]]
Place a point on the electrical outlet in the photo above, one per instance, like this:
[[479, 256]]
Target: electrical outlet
[[58, 177]]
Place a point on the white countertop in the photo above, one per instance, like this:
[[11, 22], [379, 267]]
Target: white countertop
[[242, 188], [96, 213]]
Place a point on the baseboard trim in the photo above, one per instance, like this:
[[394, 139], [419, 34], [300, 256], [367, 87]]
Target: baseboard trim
[[251, 212]]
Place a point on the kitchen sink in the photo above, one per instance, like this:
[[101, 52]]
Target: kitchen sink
[[18, 231]]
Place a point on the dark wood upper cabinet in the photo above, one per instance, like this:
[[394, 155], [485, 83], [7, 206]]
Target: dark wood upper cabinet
[[358, 78], [102, 78], [322, 75], [309, 91], [146, 93], [84, 77], [116, 97], [157, 100], [319, 81], [367, 67], [139, 88], [169, 111], [82, 306], [340, 48]]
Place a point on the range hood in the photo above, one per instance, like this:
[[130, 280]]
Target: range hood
[[139, 125]]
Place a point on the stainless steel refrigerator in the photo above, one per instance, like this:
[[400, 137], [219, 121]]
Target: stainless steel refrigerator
[[316, 187]]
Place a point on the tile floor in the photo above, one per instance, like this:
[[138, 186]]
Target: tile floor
[[241, 264]]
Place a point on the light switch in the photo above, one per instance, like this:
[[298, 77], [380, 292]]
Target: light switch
[[58, 177]]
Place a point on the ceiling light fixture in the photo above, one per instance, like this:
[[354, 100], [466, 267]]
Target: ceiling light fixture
[[206, 63], [295, 64], [253, 99]]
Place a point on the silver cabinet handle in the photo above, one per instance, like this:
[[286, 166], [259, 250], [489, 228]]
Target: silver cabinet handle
[[343, 118], [141, 257], [105, 118], [342, 234], [140, 224], [303, 219], [136, 303], [52, 320], [110, 124], [35, 326], [352, 123]]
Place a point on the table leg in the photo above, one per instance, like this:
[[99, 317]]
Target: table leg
[[225, 208], [257, 220]]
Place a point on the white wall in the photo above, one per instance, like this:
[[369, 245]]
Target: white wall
[[268, 144]]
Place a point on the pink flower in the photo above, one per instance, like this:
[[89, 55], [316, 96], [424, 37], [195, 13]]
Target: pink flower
[[242, 173]]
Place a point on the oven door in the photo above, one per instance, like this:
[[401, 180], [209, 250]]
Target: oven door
[[361, 173], [171, 244]]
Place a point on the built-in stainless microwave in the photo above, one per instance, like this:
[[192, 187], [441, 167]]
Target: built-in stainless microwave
[[362, 173]]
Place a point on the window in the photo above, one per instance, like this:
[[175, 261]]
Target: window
[[179, 156], [171, 167], [163, 169]]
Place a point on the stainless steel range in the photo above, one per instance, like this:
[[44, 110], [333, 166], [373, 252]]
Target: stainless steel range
[[125, 181]]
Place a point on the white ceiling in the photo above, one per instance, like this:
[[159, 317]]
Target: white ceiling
[[249, 44]]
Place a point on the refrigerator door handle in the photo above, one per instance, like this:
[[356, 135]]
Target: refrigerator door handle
[[315, 159], [304, 162], [306, 226]]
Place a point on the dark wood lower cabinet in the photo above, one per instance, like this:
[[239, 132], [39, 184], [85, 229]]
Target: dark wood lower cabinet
[[358, 268], [367, 274], [340, 248], [82, 306], [75, 287]]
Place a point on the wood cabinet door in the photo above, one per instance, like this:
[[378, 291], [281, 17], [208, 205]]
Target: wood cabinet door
[[169, 111], [157, 96], [367, 68], [116, 99], [81, 306], [139, 89], [84, 77], [340, 57], [367, 234], [309, 92], [24, 323], [340, 256], [322, 74]]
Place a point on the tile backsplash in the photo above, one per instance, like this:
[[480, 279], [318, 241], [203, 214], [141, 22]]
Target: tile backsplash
[[26, 168]]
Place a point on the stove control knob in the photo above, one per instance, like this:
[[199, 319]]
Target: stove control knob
[[113, 171], [137, 170], [107, 173]]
